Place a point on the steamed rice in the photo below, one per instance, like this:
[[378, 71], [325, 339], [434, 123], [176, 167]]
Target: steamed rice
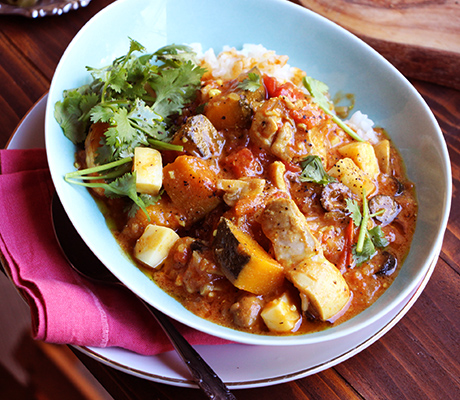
[[230, 63]]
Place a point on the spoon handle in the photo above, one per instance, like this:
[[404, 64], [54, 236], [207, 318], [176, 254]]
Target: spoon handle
[[202, 373]]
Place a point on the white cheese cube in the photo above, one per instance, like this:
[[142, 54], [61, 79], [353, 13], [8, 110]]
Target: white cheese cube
[[149, 170], [154, 245], [281, 314]]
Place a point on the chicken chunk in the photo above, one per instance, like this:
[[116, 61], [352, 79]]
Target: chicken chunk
[[299, 252], [286, 227], [246, 310], [237, 189]]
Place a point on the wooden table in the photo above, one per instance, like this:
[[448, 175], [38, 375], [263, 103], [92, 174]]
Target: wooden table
[[417, 359]]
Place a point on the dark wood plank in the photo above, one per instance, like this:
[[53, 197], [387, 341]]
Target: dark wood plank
[[21, 85], [421, 38]]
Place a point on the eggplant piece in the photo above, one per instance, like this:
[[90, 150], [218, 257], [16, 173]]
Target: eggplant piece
[[389, 206], [244, 262], [334, 195], [389, 266], [199, 137]]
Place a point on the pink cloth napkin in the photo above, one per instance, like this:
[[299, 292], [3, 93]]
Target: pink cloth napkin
[[65, 307]]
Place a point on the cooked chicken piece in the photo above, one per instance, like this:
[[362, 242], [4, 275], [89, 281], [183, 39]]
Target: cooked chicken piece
[[274, 129], [246, 310], [298, 251], [237, 189], [323, 284], [286, 227], [277, 171], [334, 196]]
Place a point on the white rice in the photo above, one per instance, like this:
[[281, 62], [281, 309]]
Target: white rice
[[230, 63], [363, 126]]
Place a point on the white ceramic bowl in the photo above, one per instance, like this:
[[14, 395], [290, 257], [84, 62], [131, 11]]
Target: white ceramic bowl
[[321, 48]]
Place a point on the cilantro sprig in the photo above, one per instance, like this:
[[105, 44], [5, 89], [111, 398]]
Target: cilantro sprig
[[319, 91], [368, 239], [251, 83], [137, 96], [313, 171]]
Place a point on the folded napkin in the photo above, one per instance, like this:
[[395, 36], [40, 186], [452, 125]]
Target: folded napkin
[[65, 307]]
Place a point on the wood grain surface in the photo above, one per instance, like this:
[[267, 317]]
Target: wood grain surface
[[417, 359], [420, 37]]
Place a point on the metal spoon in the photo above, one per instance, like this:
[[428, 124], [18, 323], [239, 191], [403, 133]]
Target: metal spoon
[[83, 260]]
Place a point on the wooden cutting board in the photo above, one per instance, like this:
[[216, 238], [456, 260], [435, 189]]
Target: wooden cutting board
[[419, 37]]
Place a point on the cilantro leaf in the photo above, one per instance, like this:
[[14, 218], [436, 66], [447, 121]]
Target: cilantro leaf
[[175, 87], [353, 208], [136, 95], [368, 239], [377, 237], [251, 83], [313, 171], [368, 251], [72, 113], [319, 91]]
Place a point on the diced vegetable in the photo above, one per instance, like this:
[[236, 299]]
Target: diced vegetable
[[363, 155], [234, 109], [382, 152], [149, 170], [198, 137], [323, 284], [191, 185], [244, 262], [281, 314], [154, 245], [347, 172]]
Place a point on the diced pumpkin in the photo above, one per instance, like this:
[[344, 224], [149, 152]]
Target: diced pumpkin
[[244, 262], [382, 152], [347, 172], [227, 111], [149, 170], [281, 314], [363, 155], [233, 109], [191, 185], [323, 284], [154, 245]]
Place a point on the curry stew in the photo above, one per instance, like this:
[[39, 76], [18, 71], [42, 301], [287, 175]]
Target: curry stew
[[241, 235]]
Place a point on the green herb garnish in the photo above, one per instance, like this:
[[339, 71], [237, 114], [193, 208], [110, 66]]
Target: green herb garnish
[[368, 240], [313, 171], [137, 95], [319, 91], [251, 83]]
